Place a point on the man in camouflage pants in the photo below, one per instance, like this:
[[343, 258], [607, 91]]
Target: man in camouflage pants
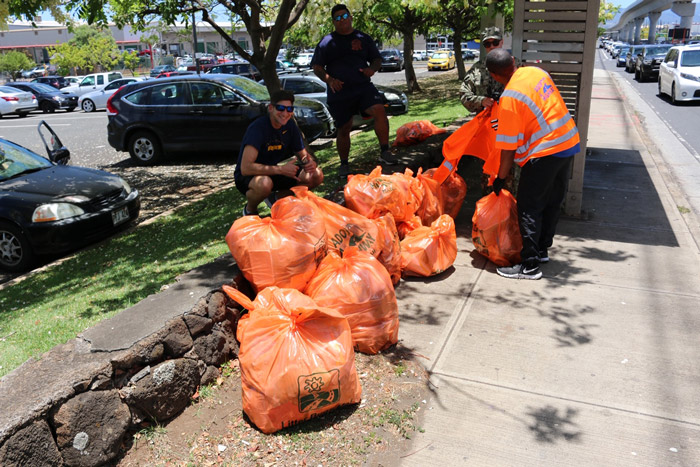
[[479, 90]]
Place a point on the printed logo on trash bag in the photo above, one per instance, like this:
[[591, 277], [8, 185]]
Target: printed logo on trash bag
[[318, 390]]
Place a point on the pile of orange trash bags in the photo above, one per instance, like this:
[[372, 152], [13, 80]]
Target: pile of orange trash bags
[[324, 275]]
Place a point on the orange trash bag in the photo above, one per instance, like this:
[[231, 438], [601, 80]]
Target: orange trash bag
[[283, 249], [431, 205], [344, 227], [390, 254], [429, 250], [408, 226], [453, 190], [359, 287], [375, 194], [296, 358], [415, 132], [495, 231]]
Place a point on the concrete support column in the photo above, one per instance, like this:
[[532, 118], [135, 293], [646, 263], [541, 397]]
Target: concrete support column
[[686, 10], [653, 20], [638, 30], [629, 33]]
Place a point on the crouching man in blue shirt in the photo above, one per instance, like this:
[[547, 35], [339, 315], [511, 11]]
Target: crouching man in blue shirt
[[268, 141]]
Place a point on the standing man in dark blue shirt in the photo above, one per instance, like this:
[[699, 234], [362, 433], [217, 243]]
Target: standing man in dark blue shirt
[[268, 141], [346, 59]]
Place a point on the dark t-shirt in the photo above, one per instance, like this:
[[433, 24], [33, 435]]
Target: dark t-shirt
[[273, 145], [343, 56]]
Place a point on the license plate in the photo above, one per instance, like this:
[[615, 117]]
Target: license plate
[[120, 215]]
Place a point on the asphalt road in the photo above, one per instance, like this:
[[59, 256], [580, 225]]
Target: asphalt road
[[683, 120]]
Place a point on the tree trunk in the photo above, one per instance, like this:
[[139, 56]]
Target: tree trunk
[[411, 81], [457, 38]]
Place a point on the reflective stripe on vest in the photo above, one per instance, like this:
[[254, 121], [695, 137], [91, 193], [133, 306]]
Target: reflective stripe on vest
[[533, 147]]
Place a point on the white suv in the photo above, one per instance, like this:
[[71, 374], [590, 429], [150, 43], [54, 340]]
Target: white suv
[[679, 73], [93, 82]]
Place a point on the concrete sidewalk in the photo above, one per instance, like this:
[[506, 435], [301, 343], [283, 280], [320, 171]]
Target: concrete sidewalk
[[598, 363]]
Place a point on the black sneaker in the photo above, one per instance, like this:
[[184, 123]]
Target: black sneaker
[[248, 213], [388, 157], [520, 271], [344, 171], [544, 257], [276, 196]]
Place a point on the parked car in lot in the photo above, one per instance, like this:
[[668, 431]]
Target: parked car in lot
[[236, 68], [648, 61], [468, 54], [48, 98], [156, 70], [96, 100], [49, 208], [93, 82], [196, 114], [420, 55], [307, 84], [57, 82], [679, 74], [391, 60], [39, 70], [303, 59], [441, 60], [14, 101]]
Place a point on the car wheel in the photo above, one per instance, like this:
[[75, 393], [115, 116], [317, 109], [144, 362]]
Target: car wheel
[[23, 114], [144, 148], [673, 94], [45, 107], [88, 106], [15, 253]]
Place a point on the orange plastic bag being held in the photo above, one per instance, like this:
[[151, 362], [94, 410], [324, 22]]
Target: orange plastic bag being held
[[495, 231], [427, 251], [296, 358], [415, 132], [283, 249], [360, 288], [344, 227]]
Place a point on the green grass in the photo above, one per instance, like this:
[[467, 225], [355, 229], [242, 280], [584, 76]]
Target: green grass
[[53, 306]]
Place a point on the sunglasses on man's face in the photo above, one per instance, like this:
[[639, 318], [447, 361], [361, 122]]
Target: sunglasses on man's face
[[491, 43], [345, 15], [282, 108]]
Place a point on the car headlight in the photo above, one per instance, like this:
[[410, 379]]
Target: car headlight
[[690, 77], [56, 212], [648, 61], [126, 186], [303, 112], [57, 98], [390, 96]]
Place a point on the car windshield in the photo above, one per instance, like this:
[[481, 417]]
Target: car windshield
[[657, 50], [15, 160], [44, 87], [248, 87], [439, 55], [690, 58]]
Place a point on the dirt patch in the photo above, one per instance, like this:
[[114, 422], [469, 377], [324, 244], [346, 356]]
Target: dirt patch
[[213, 430]]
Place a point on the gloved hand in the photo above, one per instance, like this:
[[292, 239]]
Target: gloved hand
[[498, 185], [494, 124]]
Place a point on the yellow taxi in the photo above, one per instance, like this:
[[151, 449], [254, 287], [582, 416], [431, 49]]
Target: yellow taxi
[[441, 60]]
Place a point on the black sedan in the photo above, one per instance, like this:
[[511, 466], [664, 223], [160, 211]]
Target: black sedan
[[49, 208], [196, 114], [49, 98]]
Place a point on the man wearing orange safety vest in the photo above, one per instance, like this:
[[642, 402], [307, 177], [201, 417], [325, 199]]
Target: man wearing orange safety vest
[[536, 131]]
